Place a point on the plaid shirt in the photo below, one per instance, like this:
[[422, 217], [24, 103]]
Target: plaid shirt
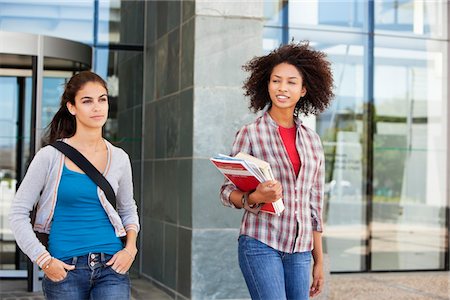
[[302, 194]]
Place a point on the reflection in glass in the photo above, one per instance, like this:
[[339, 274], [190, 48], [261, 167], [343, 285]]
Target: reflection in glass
[[109, 21], [8, 143], [341, 13], [409, 151], [65, 19], [417, 17], [273, 12], [272, 38], [53, 87], [340, 128]]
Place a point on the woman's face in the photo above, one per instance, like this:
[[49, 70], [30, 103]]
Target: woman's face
[[91, 106], [285, 87]]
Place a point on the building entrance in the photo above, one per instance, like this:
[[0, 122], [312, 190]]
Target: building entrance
[[33, 70]]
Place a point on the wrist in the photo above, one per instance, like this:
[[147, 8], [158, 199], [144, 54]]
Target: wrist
[[47, 264], [132, 251], [251, 200]]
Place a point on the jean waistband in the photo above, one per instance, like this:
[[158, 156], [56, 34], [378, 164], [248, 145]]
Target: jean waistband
[[91, 260]]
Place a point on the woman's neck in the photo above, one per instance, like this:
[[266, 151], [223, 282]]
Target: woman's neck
[[87, 140], [283, 118]]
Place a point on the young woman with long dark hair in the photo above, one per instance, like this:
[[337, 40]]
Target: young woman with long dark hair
[[85, 258]]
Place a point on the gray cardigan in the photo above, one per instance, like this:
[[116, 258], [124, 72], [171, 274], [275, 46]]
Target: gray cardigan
[[40, 186]]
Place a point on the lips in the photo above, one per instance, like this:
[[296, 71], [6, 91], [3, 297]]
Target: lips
[[282, 98], [97, 117]]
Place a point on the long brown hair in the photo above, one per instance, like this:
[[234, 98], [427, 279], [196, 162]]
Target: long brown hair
[[63, 124]]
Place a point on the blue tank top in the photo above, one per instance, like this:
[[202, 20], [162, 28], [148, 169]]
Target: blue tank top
[[80, 224]]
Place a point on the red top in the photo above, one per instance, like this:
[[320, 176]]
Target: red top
[[288, 136]]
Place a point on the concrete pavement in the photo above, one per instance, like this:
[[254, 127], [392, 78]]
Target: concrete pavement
[[359, 286]]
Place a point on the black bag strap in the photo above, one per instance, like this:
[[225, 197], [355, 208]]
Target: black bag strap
[[77, 158]]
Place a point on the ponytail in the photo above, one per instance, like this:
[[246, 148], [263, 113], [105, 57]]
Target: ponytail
[[63, 125]]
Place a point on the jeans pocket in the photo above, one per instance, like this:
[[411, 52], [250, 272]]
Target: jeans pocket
[[59, 281], [251, 246], [117, 273]]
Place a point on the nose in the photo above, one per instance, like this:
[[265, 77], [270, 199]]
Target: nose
[[96, 106], [282, 87]]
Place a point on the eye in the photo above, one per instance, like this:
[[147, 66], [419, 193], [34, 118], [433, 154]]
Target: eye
[[291, 82], [103, 99], [86, 101]]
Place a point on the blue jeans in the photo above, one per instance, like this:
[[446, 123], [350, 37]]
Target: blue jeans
[[91, 279], [272, 274]]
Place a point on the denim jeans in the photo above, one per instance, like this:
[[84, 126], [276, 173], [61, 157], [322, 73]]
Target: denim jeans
[[91, 279], [272, 274]]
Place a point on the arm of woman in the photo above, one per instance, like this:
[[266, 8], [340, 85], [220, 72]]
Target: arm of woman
[[316, 205], [126, 205], [121, 261], [127, 209], [317, 272], [229, 193], [24, 200], [269, 191]]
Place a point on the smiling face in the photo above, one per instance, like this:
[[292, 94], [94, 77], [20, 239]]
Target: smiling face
[[285, 87], [91, 106]]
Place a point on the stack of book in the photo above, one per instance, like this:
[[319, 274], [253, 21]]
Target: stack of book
[[246, 172]]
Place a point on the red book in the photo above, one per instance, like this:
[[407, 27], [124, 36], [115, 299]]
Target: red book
[[246, 173]]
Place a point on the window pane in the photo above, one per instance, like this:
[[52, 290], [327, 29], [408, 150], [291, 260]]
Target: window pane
[[121, 22], [417, 17], [341, 13], [341, 131], [66, 19], [273, 12], [272, 38], [409, 151]]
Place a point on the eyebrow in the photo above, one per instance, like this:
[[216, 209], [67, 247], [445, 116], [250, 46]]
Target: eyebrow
[[293, 77], [87, 97]]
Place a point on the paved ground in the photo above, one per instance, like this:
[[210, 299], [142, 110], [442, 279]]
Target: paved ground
[[387, 286], [142, 289], [379, 286]]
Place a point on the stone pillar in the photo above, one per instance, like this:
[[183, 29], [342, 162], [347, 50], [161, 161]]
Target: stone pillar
[[227, 35], [193, 106]]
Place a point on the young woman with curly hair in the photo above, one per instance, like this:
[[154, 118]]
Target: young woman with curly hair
[[275, 251]]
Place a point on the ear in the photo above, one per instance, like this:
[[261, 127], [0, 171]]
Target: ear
[[70, 108], [303, 92]]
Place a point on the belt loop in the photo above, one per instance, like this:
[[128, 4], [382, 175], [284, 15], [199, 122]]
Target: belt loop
[[102, 257], [74, 260]]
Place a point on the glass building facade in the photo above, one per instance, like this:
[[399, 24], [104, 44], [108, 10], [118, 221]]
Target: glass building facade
[[174, 78], [117, 53], [385, 135]]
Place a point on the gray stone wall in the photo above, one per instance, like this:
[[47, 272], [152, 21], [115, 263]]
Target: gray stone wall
[[128, 67], [227, 34], [194, 105], [167, 189]]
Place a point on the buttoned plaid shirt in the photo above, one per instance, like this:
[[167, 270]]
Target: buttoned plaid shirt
[[302, 195]]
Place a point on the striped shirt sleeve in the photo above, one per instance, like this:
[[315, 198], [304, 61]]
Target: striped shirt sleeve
[[317, 195], [241, 144]]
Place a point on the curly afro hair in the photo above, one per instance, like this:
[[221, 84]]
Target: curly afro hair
[[312, 66]]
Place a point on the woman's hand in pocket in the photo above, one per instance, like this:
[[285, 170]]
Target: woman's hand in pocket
[[122, 260], [56, 270]]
